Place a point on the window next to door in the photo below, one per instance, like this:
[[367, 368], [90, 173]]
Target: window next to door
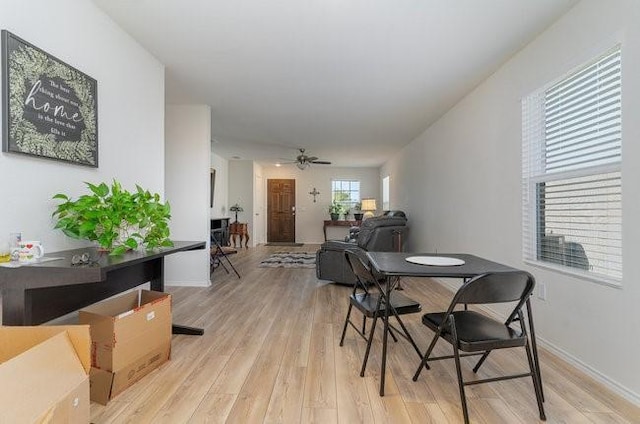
[[571, 162]]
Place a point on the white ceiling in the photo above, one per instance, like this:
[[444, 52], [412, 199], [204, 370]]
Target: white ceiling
[[350, 80]]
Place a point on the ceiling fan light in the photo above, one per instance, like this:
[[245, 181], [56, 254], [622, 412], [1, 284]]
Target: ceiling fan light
[[302, 165]]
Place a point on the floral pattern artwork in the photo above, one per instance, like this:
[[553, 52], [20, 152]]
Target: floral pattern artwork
[[51, 106]]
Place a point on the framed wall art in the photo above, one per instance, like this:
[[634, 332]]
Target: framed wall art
[[50, 109]]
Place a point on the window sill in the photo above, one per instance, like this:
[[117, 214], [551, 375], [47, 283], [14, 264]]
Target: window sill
[[598, 279]]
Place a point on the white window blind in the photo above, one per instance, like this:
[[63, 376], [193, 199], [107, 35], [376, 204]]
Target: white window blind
[[572, 187]]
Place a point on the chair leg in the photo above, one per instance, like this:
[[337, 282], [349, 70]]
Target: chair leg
[[463, 397], [230, 264], [393, 336], [223, 266], [425, 358], [537, 384], [346, 324], [366, 353], [534, 346], [407, 334], [456, 357], [481, 361], [373, 329]]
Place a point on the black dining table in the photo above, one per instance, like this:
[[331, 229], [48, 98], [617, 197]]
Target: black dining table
[[392, 265]]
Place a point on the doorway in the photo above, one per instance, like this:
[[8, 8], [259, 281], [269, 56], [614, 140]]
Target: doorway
[[281, 211], [259, 220]]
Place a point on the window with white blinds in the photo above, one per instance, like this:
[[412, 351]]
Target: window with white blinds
[[572, 186]]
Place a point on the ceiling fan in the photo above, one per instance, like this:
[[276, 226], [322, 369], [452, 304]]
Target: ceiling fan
[[303, 161]]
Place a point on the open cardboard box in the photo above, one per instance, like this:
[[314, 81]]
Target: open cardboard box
[[44, 374], [130, 337]]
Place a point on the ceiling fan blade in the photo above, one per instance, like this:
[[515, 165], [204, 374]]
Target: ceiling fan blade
[[302, 160]]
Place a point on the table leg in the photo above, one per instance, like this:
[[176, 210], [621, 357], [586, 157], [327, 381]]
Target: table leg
[[183, 329], [157, 284], [16, 306], [246, 240], [385, 334]]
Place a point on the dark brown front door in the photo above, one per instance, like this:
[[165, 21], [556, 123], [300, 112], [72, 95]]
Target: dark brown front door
[[281, 202]]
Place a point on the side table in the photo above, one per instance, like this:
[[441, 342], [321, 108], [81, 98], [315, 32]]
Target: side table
[[333, 223], [239, 229]]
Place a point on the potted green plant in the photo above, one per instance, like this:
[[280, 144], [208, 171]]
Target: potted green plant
[[118, 220], [335, 209]]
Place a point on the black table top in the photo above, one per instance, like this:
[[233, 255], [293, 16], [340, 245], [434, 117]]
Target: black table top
[[57, 266], [392, 264]]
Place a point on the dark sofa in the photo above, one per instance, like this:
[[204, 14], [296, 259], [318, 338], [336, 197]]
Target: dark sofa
[[385, 233]]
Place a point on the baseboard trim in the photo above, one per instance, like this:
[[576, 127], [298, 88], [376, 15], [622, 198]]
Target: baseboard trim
[[205, 283], [601, 378]]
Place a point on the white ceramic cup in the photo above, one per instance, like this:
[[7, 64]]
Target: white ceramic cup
[[30, 251]]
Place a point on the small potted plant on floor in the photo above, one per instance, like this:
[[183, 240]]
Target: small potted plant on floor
[[118, 220], [335, 209]]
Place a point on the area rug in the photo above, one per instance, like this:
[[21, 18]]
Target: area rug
[[290, 260], [284, 244]]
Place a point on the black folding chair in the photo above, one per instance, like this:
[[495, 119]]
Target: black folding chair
[[218, 253], [370, 298], [475, 333]]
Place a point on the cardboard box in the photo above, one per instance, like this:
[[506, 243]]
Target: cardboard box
[[44, 374], [130, 337]]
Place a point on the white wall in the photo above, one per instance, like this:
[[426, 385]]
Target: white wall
[[130, 115], [220, 207], [241, 192], [187, 165], [460, 182], [310, 215]]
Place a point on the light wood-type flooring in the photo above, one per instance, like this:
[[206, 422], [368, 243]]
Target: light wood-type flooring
[[270, 354]]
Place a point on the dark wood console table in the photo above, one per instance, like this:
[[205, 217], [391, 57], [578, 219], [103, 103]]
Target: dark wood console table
[[338, 223], [42, 291], [239, 229]]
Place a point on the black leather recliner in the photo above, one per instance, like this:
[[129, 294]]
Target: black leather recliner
[[385, 233]]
